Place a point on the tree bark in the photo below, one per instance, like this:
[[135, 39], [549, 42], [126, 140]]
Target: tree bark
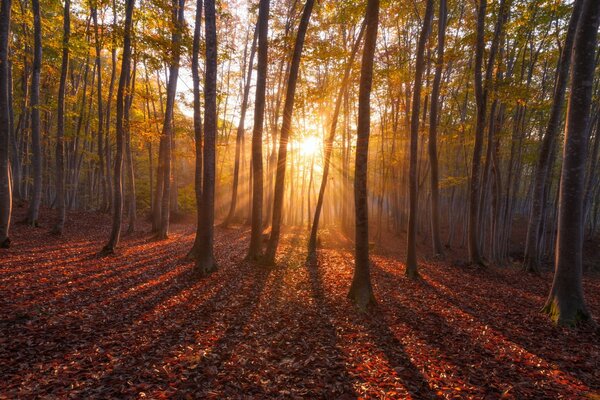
[[115, 234], [532, 244], [361, 291], [255, 249], [5, 178], [36, 146], [60, 131], [205, 260], [411, 244], [286, 126], [566, 304]]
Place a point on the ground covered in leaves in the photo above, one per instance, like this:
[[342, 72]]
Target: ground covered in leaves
[[139, 325]]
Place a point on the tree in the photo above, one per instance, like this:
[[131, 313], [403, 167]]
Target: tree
[[411, 253], [566, 304], [205, 259], [115, 234], [60, 129], [433, 125], [255, 249], [167, 132], [5, 178], [548, 145], [197, 127], [36, 146], [361, 291], [240, 133], [286, 126]]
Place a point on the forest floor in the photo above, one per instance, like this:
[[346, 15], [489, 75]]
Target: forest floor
[[139, 325]]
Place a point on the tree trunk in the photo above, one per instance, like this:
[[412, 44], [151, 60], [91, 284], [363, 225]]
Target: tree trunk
[[286, 126], [532, 262], [101, 169], [60, 131], [361, 291], [240, 134], [411, 252], [36, 146], [438, 248], [5, 178], [205, 260], [115, 234], [566, 304], [167, 132], [312, 241], [255, 249]]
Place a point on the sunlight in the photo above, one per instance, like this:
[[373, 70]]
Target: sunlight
[[309, 146]]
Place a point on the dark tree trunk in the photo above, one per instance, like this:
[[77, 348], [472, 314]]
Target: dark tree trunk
[[5, 178], [36, 146], [286, 126], [438, 248], [197, 127], [566, 304], [115, 234], [167, 133], [101, 169], [60, 130], [131, 195], [532, 262], [312, 241], [361, 291], [255, 249], [205, 260], [473, 223], [411, 244]]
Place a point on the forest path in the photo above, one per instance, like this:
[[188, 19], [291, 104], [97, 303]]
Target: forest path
[[138, 324]]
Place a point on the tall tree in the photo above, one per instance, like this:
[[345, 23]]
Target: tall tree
[[361, 291], [312, 241], [286, 126], [566, 304], [36, 146], [438, 249], [197, 126], [115, 234], [411, 243], [255, 249], [480, 100], [101, 170], [205, 260], [60, 129], [167, 132], [5, 178], [240, 133], [547, 148]]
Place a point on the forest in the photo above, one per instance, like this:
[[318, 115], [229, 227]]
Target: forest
[[299, 199]]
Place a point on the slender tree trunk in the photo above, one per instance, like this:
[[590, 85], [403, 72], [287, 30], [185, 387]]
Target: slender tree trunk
[[473, 220], [101, 169], [438, 248], [240, 134], [60, 131], [411, 253], [205, 260], [5, 178], [131, 196], [286, 126], [532, 262], [566, 304], [312, 241], [255, 249], [36, 146], [167, 133], [361, 291], [115, 234], [197, 127]]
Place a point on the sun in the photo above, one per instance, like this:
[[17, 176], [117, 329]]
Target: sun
[[309, 146]]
